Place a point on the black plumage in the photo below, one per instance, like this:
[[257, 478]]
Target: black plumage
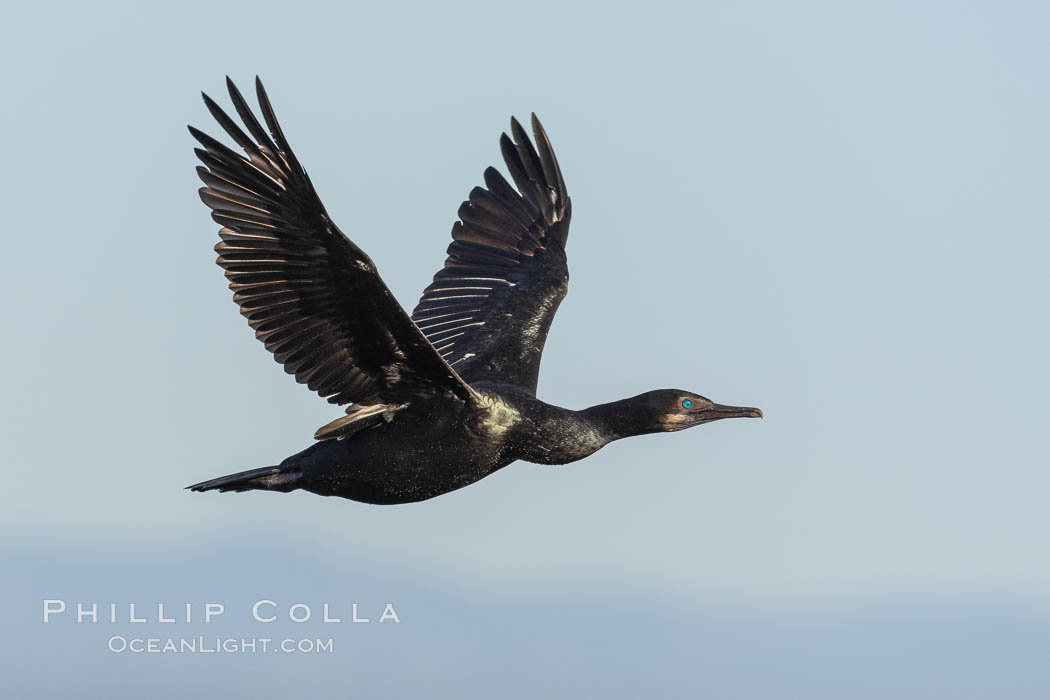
[[437, 400]]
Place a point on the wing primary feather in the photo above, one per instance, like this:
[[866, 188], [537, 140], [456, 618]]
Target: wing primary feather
[[502, 189], [514, 166], [518, 172], [234, 162], [229, 126], [551, 171], [240, 170], [534, 170], [275, 128], [227, 186], [248, 117], [529, 159]]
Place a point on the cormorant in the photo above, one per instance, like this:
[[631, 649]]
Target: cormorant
[[436, 400]]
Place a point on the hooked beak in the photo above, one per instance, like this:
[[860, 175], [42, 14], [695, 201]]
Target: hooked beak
[[717, 411]]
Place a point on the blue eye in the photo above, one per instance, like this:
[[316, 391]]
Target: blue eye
[[687, 403]]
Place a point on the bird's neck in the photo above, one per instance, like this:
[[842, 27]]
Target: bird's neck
[[553, 435], [617, 419], [546, 434]]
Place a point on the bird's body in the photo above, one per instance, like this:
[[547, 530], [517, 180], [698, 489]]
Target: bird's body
[[443, 398], [438, 446]]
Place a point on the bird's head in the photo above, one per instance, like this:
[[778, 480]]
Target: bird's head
[[668, 410]]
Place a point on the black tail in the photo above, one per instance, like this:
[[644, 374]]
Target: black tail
[[280, 478]]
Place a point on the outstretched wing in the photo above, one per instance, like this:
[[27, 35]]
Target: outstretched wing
[[489, 309], [313, 297]]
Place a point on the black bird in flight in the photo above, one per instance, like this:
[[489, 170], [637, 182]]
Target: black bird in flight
[[436, 400]]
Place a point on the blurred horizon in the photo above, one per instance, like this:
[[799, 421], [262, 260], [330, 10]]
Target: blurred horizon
[[561, 641]]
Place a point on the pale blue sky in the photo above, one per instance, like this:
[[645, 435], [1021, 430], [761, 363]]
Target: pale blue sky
[[834, 211]]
